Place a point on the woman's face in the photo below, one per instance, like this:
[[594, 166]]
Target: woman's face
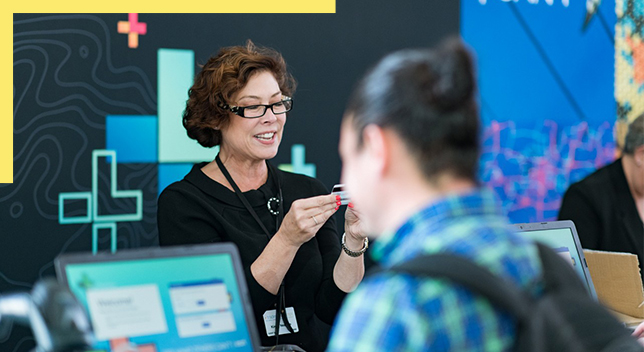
[[257, 138]]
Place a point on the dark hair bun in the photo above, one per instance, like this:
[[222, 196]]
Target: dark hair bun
[[454, 81]]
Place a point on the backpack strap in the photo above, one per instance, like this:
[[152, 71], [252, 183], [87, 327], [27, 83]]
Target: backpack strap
[[500, 293], [567, 316], [460, 270], [557, 273], [583, 319]]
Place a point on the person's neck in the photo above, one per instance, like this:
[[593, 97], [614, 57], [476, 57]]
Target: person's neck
[[635, 186], [247, 174], [407, 197]]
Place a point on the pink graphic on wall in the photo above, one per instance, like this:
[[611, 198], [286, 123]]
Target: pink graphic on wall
[[132, 28], [529, 169]]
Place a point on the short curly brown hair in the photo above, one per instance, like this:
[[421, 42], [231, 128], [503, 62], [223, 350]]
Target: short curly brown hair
[[220, 78]]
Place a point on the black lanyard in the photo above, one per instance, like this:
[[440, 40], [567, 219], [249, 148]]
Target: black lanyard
[[281, 301], [242, 198]]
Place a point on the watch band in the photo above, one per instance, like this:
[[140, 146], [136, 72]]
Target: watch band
[[351, 253]]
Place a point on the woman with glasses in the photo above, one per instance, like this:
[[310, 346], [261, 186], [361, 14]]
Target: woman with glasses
[[281, 222]]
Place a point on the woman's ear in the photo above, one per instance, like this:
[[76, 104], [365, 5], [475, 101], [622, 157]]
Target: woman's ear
[[215, 125]]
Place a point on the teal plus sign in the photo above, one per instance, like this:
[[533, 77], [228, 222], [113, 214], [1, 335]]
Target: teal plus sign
[[297, 164], [101, 221]]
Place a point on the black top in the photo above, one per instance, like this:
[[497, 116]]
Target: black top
[[198, 209], [604, 212]]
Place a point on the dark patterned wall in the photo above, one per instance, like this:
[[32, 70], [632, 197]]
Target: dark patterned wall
[[73, 72]]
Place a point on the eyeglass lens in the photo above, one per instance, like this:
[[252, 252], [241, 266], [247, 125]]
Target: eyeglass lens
[[259, 110]]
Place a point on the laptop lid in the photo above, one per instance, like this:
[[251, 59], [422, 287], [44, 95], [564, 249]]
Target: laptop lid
[[562, 237], [171, 299]]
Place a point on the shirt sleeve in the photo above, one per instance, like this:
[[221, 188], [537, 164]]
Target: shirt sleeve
[[369, 320], [180, 223], [402, 313], [329, 297]]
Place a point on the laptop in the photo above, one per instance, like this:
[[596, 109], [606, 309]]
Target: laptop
[[171, 299], [562, 237]]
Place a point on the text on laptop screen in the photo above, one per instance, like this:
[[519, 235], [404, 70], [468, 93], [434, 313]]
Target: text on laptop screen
[[561, 241], [173, 304]]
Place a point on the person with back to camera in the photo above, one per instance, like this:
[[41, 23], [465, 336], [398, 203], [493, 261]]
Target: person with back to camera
[[607, 206], [281, 222], [410, 147]]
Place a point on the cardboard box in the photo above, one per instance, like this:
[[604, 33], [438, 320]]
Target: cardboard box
[[628, 320], [617, 281]]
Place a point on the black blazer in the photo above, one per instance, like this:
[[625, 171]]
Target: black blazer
[[604, 212]]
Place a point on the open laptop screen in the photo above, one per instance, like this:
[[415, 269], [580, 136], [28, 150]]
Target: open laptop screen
[[562, 237], [176, 299]]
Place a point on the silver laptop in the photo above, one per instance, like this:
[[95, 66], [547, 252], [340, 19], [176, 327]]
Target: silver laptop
[[172, 299], [562, 237]]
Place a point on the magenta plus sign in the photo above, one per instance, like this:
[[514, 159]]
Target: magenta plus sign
[[135, 26]]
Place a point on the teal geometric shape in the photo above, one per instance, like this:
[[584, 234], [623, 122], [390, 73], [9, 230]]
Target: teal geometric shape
[[138, 194], [175, 76], [297, 164], [103, 225], [77, 219], [169, 173], [133, 137], [101, 221]]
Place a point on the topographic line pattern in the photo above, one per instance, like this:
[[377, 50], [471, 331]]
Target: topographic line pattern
[[67, 77]]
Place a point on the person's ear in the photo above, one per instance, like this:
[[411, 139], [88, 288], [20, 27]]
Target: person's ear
[[212, 125], [375, 145], [639, 156]]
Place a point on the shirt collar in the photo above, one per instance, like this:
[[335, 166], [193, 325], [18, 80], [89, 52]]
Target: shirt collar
[[477, 202], [256, 197]]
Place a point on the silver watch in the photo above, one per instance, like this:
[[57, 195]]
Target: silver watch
[[351, 253]]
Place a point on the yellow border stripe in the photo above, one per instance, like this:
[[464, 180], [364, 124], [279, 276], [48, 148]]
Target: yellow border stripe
[[127, 6], [6, 119], [148, 6]]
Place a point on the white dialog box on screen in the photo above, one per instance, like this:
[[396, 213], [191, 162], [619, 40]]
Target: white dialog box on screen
[[206, 324], [202, 308], [126, 311], [198, 297]]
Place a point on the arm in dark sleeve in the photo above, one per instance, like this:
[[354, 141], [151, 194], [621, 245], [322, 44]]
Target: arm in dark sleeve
[[329, 297], [262, 300], [578, 207], [181, 221]]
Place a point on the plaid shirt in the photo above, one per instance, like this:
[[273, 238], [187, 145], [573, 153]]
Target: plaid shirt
[[400, 312]]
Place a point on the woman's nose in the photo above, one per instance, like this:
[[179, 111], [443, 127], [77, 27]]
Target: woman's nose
[[269, 116]]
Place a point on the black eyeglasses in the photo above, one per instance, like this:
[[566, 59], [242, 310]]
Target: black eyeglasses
[[254, 111]]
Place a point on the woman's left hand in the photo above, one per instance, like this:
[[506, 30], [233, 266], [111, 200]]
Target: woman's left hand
[[353, 226], [349, 269]]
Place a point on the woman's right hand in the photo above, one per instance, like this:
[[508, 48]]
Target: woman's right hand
[[306, 217]]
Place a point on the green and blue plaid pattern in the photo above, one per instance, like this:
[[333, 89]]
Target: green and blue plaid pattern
[[400, 312]]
